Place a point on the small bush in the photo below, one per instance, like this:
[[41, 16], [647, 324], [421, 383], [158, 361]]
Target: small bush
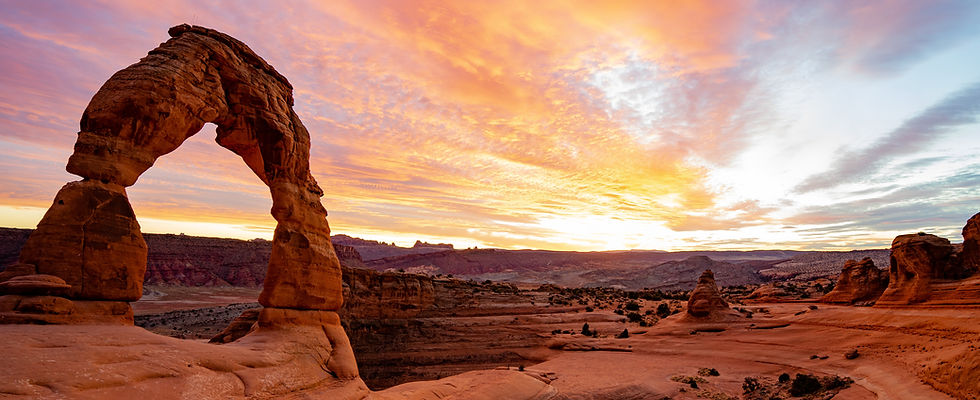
[[837, 382], [632, 306], [708, 372], [585, 329], [783, 378], [624, 334], [634, 317], [804, 384], [750, 385], [663, 310]]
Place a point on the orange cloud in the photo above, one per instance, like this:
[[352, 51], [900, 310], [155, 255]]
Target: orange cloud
[[494, 123]]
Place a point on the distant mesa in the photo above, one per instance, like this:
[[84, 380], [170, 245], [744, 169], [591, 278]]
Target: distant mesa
[[859, 283], [421, 244]]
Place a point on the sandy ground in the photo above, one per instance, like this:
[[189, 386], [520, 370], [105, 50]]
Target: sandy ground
[[898, 349]]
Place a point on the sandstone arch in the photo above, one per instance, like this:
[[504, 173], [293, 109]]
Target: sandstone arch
[[90, 237]]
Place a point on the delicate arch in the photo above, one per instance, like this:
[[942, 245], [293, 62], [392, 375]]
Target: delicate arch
[[90, 238]]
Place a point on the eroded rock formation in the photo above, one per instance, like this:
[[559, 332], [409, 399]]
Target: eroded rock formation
[[706, 298], [90, 238], [916, 260], [373, 295], [859, 282], [87, 258], [971, 245]]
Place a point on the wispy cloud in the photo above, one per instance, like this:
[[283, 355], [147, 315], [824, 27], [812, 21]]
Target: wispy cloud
[[958, 109]]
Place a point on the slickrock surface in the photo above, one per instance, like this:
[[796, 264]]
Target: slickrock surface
[[859, 282]]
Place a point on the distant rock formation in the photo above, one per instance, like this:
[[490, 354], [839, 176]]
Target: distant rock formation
[[348, 256], [706, 299], [916, 260], [859, 282], [376, 295], [971, 245], [928, 269], [421, 244], [768, 292]]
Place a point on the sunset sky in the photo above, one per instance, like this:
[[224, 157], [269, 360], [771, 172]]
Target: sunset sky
[[574, 125]]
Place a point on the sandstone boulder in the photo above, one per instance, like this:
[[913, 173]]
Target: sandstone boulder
[[37, 285], [859, 282], [706, 299], [17, 269], [238, 328]]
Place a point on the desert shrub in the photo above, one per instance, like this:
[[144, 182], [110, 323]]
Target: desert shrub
[[634, 317], [663, 310], [708, 372], [804, 384], [750, 385], [632, 306], [589, 309], [624, 334], [619, 311], [690, 380], [837, 382], [783, 378], [585, 329]]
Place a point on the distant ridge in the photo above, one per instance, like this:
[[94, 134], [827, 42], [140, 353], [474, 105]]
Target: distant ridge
[[200, 261]]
